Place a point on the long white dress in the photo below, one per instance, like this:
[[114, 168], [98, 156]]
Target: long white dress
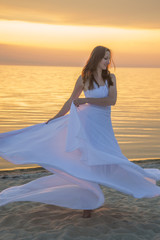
[[81, 151]]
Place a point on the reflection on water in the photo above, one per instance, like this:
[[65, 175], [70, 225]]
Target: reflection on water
[[33, 94]]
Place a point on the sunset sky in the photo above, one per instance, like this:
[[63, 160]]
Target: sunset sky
[[63, 33]]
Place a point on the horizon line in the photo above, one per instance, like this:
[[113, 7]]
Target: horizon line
[[49, 65]]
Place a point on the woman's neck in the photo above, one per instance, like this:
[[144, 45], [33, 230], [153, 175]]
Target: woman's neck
[[98, 75]]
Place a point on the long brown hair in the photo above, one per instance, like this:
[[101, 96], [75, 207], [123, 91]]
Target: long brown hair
[[96, 56]]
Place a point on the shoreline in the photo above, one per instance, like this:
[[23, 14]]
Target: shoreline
[[39, 168]]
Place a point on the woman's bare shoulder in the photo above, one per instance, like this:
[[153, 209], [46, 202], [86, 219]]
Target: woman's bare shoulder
[[79, 81]]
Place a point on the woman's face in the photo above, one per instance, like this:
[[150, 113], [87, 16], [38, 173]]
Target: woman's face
[[104, 61]]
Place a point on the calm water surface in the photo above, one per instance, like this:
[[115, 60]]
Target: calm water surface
[[33, 94]]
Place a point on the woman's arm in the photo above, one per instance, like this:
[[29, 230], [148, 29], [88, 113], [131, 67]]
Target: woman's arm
[[75, 94], [105, 101]]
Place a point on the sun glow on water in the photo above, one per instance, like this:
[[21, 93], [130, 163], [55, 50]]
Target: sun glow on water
[[33, 94]]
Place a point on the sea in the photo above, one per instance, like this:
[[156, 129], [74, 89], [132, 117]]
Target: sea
[[33, 94]]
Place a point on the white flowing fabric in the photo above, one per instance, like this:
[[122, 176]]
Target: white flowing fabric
[[81, 151]]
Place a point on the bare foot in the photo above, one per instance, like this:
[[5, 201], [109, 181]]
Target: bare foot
[[86, 213]]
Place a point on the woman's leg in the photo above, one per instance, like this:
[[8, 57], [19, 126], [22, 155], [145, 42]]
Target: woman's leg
[[86, 213]]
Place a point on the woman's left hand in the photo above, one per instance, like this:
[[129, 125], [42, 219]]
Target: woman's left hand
[[79, 101]]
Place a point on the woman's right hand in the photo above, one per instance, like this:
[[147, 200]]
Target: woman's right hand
[[57, 116], [49, 120], [75, 94]]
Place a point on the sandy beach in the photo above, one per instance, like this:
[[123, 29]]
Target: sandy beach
[[122, 217]]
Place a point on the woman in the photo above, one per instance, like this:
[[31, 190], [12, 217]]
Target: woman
[[79, 148], [96, 70]]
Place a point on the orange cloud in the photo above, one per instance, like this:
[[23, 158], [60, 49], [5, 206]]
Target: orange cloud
[[137, 47], [115, 13], [24, 55]]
